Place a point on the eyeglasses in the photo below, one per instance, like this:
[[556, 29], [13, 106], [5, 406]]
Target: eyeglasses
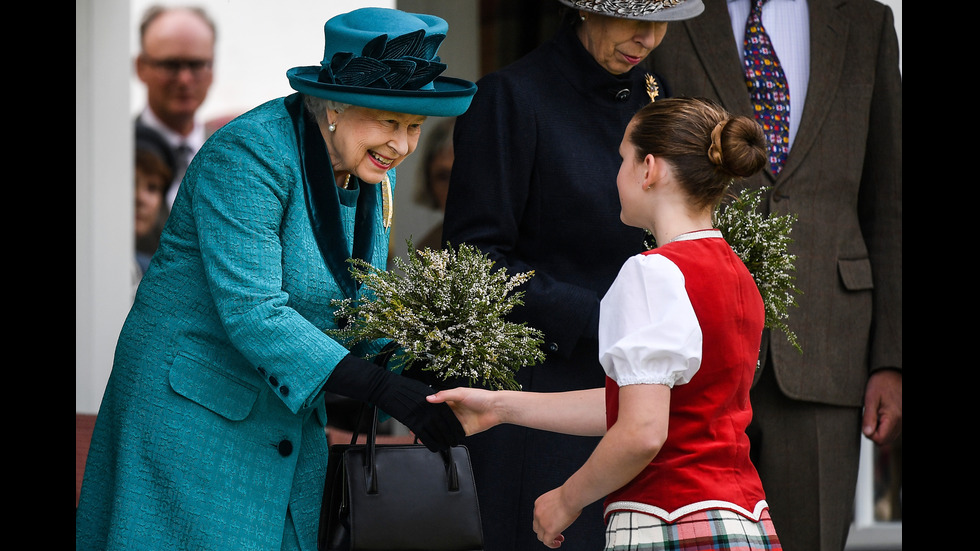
[[174, 66]]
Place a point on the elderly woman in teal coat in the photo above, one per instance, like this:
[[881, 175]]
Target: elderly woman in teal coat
[[211, 432]]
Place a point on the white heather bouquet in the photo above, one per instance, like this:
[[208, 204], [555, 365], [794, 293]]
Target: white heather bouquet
[[762, 243], [447, 313]]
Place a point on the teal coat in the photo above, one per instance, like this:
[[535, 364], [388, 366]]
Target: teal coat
[[211, 432]]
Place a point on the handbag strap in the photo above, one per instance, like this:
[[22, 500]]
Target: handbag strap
[[384, 356], [370, 458], [360, 417], [371, 464]]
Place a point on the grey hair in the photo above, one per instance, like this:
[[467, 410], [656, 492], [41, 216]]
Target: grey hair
[[319, 107]]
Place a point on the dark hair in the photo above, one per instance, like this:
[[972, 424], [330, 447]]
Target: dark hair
[[150, 163], [154, 155], [568, 17], [707, 147], [151, 13]]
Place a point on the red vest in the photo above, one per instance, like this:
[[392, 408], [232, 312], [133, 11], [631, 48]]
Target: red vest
[[704, 464]]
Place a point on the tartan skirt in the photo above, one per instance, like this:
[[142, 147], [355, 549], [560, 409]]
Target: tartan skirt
[[709, 530]]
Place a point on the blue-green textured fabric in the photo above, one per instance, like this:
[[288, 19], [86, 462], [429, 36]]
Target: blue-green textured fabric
[[212, 423]]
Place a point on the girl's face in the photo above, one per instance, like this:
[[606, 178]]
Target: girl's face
[[368, 142], [149, 201], [619, 44], [629, 182]]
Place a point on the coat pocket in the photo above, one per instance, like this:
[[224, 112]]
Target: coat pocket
[[210, 386], [855, 274]]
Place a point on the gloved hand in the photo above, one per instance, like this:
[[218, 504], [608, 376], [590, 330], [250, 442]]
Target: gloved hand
[[417, 371], [404, 399], [429, 377]]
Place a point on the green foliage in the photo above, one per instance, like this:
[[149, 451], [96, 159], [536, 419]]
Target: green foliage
[[447, 312], [762, 242]]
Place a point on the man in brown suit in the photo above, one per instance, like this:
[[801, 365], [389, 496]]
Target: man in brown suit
[[843, 180]]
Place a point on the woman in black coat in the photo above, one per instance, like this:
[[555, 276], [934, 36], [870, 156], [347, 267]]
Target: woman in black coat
[[534, 187]]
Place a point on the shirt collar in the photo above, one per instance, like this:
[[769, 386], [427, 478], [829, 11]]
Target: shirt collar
[[194, 140]]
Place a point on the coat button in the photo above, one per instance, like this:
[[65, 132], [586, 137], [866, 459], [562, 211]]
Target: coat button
[[285, 448], [623, 94], [552, 347], [284, 390], [273, 381]]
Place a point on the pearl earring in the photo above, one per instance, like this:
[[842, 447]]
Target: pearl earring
[[332, 127]]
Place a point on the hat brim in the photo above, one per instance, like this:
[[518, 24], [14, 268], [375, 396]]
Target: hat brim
[[448, 98], [680, 12]]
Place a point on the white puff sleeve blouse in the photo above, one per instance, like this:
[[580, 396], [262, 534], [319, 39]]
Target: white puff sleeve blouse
[[648, 331]]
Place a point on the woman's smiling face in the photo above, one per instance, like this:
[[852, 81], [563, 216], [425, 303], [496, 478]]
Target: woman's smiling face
[[368, 142]]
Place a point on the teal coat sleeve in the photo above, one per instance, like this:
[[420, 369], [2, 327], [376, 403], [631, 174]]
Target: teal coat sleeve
[[255, 258]]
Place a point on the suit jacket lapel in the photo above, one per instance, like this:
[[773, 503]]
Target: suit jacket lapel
[[720, 59], [828, 35]]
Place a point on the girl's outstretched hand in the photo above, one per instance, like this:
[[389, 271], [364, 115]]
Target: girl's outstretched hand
[[476, 409]]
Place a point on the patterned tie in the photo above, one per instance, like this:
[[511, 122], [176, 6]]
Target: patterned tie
[[767, 87]]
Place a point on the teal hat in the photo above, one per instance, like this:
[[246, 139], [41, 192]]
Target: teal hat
[[385, 59]]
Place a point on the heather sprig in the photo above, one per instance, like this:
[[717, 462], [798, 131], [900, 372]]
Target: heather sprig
[[447, 310], [762, 242]]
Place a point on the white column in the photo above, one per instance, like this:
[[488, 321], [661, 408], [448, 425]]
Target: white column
[[103, 192]]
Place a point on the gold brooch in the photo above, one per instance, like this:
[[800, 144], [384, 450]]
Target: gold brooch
[[653, 89]]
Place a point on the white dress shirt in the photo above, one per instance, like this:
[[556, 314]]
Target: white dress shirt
[[192, 141]]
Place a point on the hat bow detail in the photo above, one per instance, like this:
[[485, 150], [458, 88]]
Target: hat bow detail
[[406, 62]]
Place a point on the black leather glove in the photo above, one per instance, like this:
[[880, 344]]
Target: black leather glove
[[404, 399]]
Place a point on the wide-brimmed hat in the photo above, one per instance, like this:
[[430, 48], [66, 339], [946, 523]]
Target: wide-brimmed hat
[[648, 10], [385, 59]]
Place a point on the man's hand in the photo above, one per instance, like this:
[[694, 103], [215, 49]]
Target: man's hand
[[883, 406]]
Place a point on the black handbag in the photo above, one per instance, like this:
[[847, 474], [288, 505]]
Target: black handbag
[[399, 497]]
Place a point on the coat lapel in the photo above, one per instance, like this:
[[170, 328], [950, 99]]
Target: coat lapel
[[828, 34], [828, 31], [720, 58], [323, 204]]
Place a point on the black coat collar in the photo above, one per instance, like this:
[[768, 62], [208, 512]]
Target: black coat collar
[[584, 73]]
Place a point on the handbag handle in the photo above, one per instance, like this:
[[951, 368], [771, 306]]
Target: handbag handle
[[371, 465]]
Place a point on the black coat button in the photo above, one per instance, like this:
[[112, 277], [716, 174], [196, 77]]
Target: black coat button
[[273, 381], [623, 94], [285, 448], [552, 347], [284, 390]]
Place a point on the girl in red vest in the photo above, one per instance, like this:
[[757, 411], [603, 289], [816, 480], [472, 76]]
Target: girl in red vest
[[679, 338]]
